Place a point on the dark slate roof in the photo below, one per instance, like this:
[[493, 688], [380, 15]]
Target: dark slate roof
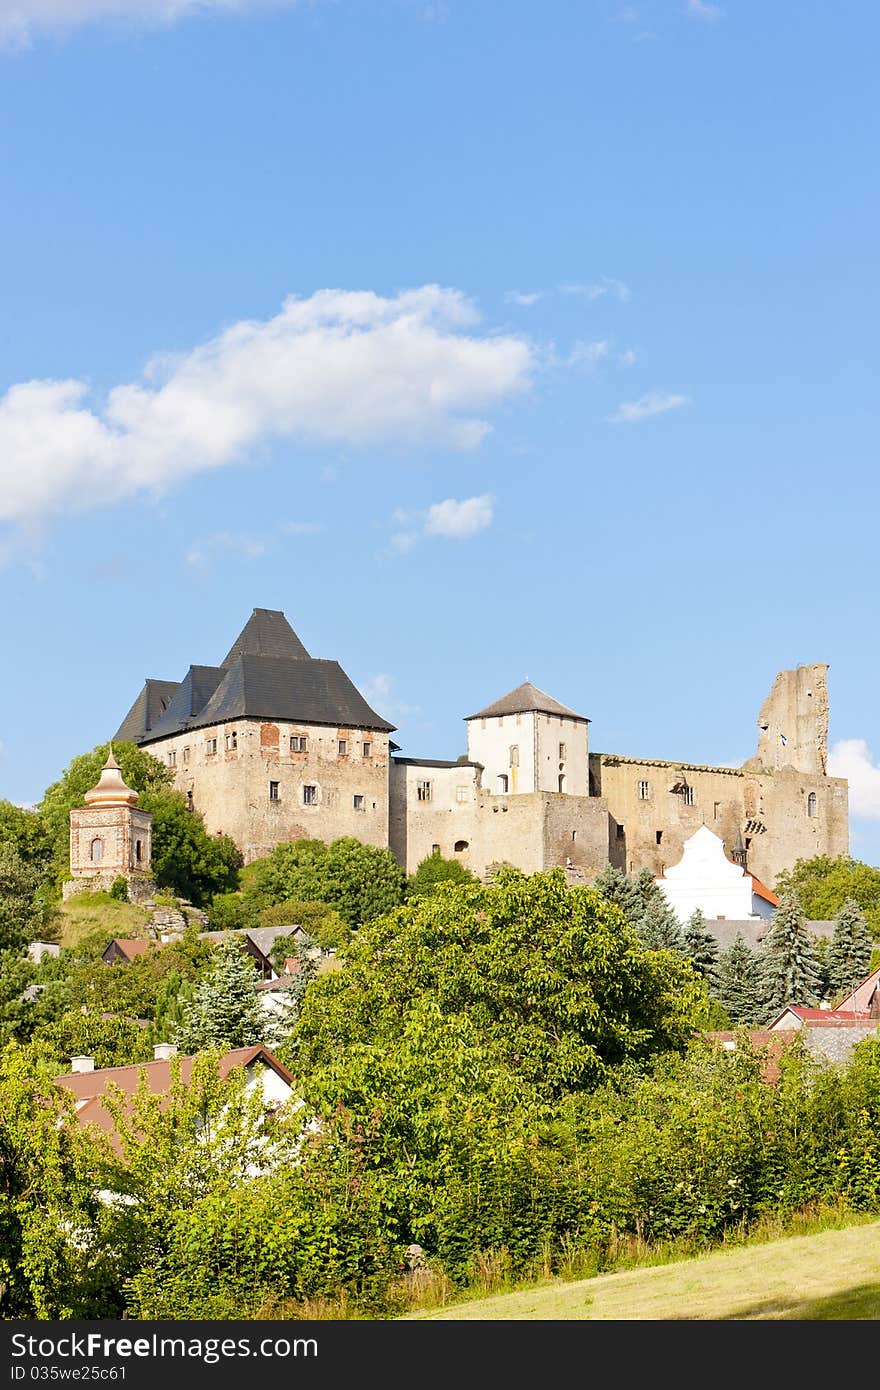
[[435, 762], [523, 700], [191, 696], [267, 633], [307, 691], [147, 710]]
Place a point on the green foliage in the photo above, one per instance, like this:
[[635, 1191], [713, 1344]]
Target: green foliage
[[224, 1011], [790, 968], [26, 830], [20, 914], [186, 859], [119, 889], [739, 982], [849, 954], [318, 920], [617, 887], [552, 975], [359, 881], [435, 869], [659, 928], [822, 886], [232, 912], [111, 1039], [700, 946]]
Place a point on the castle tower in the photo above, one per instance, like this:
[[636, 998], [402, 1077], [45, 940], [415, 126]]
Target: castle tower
[[110, 838], [529, 742]]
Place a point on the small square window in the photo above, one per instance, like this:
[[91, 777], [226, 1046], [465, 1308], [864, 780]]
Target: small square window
[[690, 796], [343, 747], [186, 755], [210, 745], [620, 832], [423, 791], [298, 743], [435, 849], [231, 740], [367, 748], [357, 802], [562, 753], [172, 758], [462, 794], [644, 791], [273, 791], [310, 795]]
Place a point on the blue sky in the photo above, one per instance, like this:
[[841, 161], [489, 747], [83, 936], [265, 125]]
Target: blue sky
[[489, 340]]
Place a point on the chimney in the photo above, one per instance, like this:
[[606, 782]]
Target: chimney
[[162, 1051], [82, 1064]]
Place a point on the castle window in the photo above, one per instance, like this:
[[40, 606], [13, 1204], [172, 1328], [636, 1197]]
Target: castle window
[[298, 743], [503, 782], [514, 755], [273, 791], [717, 810], [368, 748], [189, 799], [423, 791], [310, 795], [342, 748], [210, 746], [97, 850], [186, 755], [137, 851], [689, 796], [232, 740], [461, 847], [172, 758], [644, 791], [562, 751], [561, 782], [357, 802], [461, 794], [574, 835], [811, 804], [659, 836], [435, 849], [620, 834]]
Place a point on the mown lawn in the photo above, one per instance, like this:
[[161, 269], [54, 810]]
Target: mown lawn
[[833, 1275]]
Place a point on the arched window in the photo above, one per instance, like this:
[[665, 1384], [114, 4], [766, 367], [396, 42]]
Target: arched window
[[502, 782], [514, 755], [461, 847], [97, 850], [562, 781], [811, 804]]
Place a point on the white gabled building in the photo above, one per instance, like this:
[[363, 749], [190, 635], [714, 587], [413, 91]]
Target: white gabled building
[[704, 879]]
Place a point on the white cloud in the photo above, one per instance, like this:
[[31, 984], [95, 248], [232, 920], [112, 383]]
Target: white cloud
[[654, 403], [851, 758], [627, 358], [584, 354], [22, 20], [703, 9], [340, 366], [378, 691], [200, 555], [607, 285], [525, 299], [459, 520]]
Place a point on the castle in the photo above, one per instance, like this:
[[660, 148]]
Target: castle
[[275, 745]]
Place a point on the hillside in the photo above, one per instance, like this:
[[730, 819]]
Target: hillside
[[833, 1275]]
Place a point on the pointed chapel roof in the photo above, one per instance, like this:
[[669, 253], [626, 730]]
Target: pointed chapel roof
[[267, 633], [523, 700]]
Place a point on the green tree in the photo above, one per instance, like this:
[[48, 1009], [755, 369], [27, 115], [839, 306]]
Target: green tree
[[225, 1010], [25, 828], [849, 954], [360, 881], [434, 869], [739, 985], [552, 974], [617, 887], [20, 913], [700, 946], [790, 966], [186, 859], [318, 920], [822, 885], [112, 1039], [659, 929]]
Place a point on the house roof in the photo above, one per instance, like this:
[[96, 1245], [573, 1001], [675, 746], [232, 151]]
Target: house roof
[[824, 1018], [129, 946], [525, 699], [88, 1088], [763, 891], [266, 674], [863, 994]]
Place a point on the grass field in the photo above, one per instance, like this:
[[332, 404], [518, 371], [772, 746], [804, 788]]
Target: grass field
[[93, 912], [833, 1275]]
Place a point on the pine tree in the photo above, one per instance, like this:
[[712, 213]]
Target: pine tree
[[617, 887], [700, 946], [225, 1009], [738, 984], [849, 955], [790, 969], [660, 929]]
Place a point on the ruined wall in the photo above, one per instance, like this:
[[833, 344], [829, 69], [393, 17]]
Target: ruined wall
[[231, 787], [793, 723]]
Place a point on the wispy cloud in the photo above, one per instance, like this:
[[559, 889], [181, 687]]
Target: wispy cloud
[[339, 366], [452, 519], [851, 758], [524, 298], [379, 693], [654, 403], [598, 288], [703, 9], [21, 21], [200, 555], [587, 355], [628, 358]]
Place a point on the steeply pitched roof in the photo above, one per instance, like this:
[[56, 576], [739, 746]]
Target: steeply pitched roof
[[764, 892], [523, 700], [129, 946], [147, 710], [267, 633], [190, 697]]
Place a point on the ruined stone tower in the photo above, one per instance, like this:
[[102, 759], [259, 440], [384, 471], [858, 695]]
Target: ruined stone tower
[[793, 723]]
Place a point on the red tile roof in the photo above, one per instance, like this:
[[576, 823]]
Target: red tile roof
[[130, 946], [764, 892]]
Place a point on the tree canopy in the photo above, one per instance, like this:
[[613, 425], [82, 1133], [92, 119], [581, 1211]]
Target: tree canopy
[[822, 885], [360, 881]]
